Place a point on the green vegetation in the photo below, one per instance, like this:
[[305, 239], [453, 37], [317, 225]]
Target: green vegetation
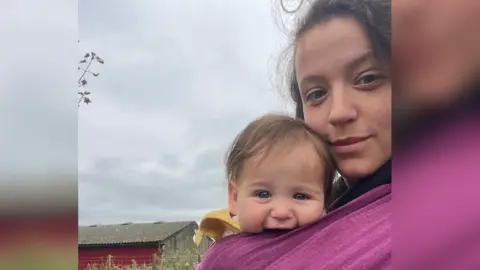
[[182, 260]]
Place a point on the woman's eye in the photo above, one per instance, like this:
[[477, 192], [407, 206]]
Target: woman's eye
[[300, 196], [262, 194], [368, 79], [315, 95]]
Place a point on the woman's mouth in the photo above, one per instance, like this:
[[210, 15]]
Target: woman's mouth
[[349, 144]]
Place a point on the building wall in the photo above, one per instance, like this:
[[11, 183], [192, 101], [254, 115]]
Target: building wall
[[183, 240], [180, 241], [121, 255], [205, 244]]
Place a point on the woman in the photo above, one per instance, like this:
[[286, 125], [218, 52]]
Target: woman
[[437, 57], [341, 87]]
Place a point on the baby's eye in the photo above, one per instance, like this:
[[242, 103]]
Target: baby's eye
[[300, 196], [262, 194]]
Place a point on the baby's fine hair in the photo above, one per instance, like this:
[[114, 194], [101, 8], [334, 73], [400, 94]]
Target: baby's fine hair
[[276, 130]]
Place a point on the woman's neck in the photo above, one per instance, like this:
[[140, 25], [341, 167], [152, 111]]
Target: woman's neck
[[380, 177]]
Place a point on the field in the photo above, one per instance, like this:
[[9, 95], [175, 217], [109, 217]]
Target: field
[[183, 260]]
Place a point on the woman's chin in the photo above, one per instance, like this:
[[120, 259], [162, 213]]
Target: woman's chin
[[355, 169]]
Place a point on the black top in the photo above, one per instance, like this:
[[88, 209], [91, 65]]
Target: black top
[[380, 177]]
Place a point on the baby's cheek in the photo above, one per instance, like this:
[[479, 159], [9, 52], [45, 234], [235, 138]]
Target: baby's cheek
[[311, 213], [251, 218]]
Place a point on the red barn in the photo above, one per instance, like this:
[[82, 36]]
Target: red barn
[[128, 241]]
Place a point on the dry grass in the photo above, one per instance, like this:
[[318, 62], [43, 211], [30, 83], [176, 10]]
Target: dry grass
[[182, 260]]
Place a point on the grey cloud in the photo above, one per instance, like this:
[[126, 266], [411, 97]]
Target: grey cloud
[[170, 161], [189, 49], [37, 102], [123, 189], [180, 80]]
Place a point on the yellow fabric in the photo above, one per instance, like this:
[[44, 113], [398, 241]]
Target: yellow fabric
[[215, 224]]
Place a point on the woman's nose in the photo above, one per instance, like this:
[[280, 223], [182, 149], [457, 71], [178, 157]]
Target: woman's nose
[[341, 110]]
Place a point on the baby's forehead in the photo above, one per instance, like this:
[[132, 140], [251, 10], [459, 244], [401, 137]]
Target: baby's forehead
[[292, 153], [298, 161], [283, 181]]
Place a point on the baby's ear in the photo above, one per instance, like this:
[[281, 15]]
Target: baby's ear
[[232, 197]]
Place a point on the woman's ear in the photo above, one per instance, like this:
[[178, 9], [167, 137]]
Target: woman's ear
[[232, 197]]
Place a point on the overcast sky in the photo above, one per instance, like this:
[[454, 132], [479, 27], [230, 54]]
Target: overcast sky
[[38, 114], [180, 79]]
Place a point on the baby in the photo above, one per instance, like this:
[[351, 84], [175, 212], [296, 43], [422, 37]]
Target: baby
[[279, 176]]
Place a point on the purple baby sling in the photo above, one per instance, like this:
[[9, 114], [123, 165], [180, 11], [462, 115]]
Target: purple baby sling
[[437, 205], [355, 236]]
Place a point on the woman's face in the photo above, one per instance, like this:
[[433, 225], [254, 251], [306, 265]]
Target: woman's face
[[436, 49], [346, 94]]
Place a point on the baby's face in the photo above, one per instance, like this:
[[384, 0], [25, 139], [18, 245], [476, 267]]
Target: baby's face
[[284, 191]]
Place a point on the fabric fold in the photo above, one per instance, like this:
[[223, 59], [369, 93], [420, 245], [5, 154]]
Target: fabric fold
[[354, 236]]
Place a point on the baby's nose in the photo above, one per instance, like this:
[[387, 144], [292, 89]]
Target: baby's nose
[[281, 212]]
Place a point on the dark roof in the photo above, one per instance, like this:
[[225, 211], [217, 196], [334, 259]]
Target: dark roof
[[128, 233]]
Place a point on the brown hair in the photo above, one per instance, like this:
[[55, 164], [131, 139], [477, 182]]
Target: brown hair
[[268, 131], [375, 18], [373, 15]]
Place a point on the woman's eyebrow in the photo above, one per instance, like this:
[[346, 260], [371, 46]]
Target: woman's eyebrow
[[311, 79], [353, 64], [360, 59]]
